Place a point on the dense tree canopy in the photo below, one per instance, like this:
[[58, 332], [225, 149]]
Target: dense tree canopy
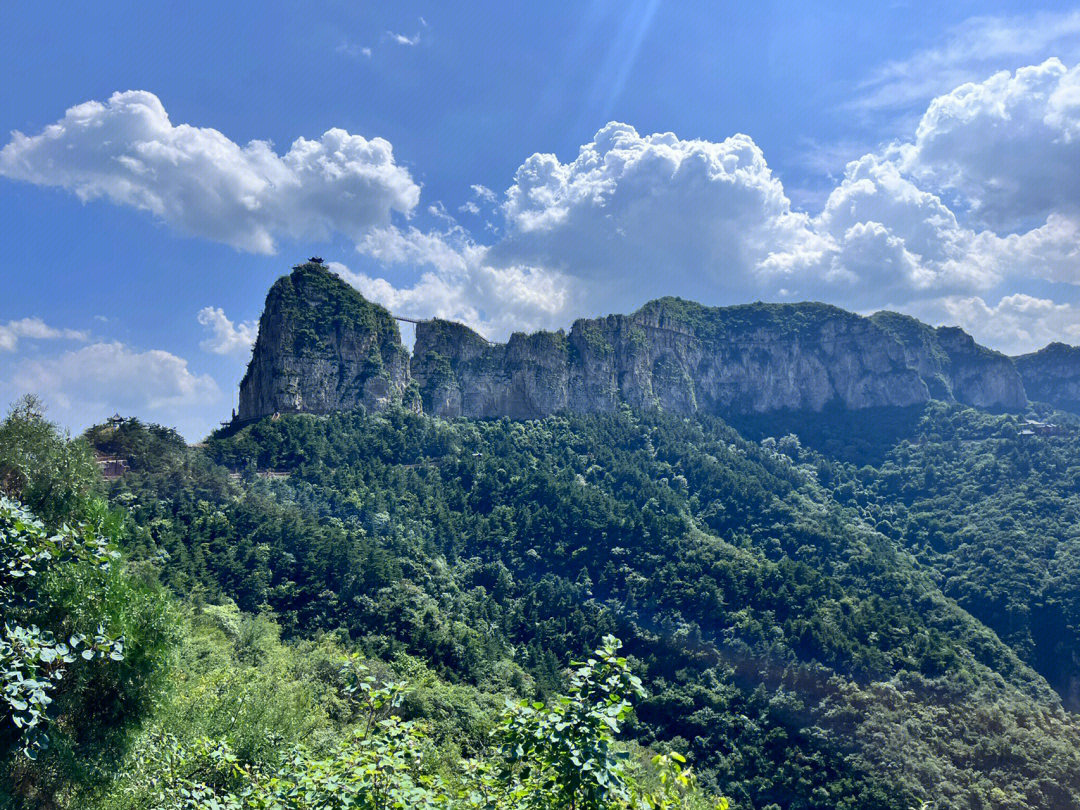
[[810, 633]]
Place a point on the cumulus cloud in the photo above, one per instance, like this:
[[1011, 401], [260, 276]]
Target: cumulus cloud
[[889, 237], [127, 151], [460, 283], [1009, 146], [86, 384], [33, 329], [638, 215], [982, 199], [226, 337], [1017, 323]]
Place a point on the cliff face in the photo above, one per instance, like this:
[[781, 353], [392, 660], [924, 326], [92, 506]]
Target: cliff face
[[322, 347], [1052, 375], [686, 358], [953, 366]]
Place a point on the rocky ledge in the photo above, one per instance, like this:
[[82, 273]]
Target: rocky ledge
[[1052, 375]]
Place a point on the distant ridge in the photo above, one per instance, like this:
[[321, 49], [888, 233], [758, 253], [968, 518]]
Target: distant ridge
[[323, 347]]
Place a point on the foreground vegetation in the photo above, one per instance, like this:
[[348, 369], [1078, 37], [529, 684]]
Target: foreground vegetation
[[170, 704]]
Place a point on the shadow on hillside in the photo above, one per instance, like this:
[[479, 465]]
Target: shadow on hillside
[[858, 436]]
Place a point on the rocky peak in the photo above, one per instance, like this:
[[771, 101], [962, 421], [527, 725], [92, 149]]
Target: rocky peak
[[954, 367], [1052, 375], [980, 376], [322, 347]]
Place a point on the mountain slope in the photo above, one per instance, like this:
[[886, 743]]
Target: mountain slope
[[322, 347], [1052, 375], [802, 655]]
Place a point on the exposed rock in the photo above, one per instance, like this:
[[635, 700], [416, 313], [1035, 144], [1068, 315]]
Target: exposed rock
[[1052, 375], [953, 366], [322, 347], [980, 376], [686, 358]]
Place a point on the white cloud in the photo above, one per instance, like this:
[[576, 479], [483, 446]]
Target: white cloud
[[196, 179], [458, 282], [482, 192], [891, 238], [1010, 146], [353, 50], [403, 39], [1018, 323], [33, 329], [85, 385], [983, 198], [226, 337], [638, 216], [969, 52]]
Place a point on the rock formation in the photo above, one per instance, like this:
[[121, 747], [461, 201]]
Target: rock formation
[[685, 358], [953, 366], [322, 347], [1052, 375]]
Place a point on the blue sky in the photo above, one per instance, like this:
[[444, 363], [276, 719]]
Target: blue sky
[[517, 166]]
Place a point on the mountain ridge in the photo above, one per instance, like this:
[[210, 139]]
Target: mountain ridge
[[323, 347]]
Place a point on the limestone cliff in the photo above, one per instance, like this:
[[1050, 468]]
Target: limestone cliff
[[322, 347], [686, 358], [953, 366], [1052, 375]]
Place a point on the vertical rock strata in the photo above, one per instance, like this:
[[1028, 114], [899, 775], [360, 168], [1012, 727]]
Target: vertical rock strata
[[1052, 375], [686, 358], [322, 347]]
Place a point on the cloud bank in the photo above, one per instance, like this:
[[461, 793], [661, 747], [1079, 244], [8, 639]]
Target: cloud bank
[[974, 217], [127, 151], [85, 385], [981, 203]]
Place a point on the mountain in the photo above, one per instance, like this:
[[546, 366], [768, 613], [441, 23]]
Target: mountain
[[953, 366], [323, 347], [787, 614], [1052, 375], [844, 581]]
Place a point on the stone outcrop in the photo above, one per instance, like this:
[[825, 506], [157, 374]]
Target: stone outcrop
[[953, 366], [1052, 375], [322, 347], [686, 358]]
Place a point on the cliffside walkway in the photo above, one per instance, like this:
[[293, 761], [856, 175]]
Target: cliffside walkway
[[418, 321]]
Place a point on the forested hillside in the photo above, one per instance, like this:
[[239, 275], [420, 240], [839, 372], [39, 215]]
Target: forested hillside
[[798, 622], [118, 695]]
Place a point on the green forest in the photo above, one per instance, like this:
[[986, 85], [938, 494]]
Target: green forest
[[630, 610]]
